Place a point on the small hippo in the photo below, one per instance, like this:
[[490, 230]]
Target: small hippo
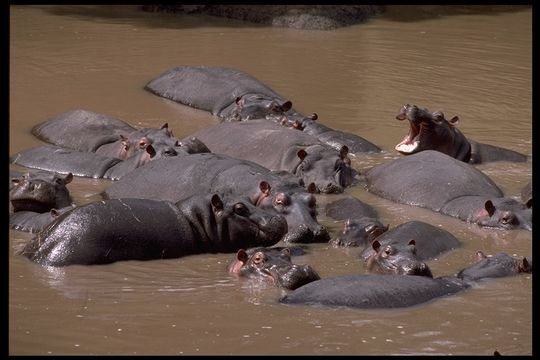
[[375, 291], [434, 180], [361, 225], [432, 131], [390, 259], [37, 198], [273, 265], [429, 242], [139, 229]]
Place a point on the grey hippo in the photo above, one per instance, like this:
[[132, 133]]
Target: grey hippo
[[104, 232]]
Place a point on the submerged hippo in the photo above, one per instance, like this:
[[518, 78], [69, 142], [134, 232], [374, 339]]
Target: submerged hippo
[[272, 265], [37, 198], [432, 131], [278, 148], [361, 225], [397, 291], [233, 95], [436, 181], [175, 178], [139, 229]]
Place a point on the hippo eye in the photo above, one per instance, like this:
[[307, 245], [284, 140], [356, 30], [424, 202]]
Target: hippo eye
[[241, 209], [59, 181], [509, 219], [142, 144], [170, 152], [388, 251]]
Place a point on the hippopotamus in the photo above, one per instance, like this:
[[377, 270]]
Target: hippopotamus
[[37, 198], [278, 148], [376, 291], [233, 95], [103, 232], [526, 194], [85, 164], [174, 178], [88, 131], [434, 180], [432, 131], [403, 249], [361, 225], [272, 265]]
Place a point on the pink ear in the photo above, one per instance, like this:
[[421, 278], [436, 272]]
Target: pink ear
[[376, 245], [242, 256], [490, 208]]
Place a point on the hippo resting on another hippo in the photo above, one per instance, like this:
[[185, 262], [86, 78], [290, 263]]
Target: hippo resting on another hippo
[[436, 181], [361, 226], [278, 148], [174, 178], [403, 249], [233, 95], [105, 135], [37, 198], [431, 131], [139, 229], [397, 291], [272, 265], [85, 164]]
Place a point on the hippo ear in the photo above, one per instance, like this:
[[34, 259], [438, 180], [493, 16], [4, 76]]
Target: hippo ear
[[301, 154], [54, 213], [242, 256], [217, 204], [286, 106], [68, 178], [165, 126], [343, 152], [528, 204], [411, 242], [454, 120], [286, 251], [479, 256], [314, 116], [312, 188], [490, 208], [151, 151], [376, 245], [265, 187], [239, 101]]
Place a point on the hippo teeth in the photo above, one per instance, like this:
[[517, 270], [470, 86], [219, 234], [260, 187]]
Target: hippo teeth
[[407, 147]]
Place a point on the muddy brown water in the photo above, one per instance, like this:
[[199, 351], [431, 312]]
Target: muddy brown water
[[475, 65]]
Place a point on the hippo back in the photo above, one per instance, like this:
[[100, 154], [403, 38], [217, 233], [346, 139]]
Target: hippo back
[[207, 88], [428, 179]]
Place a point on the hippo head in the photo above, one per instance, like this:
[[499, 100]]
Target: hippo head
[[359, 232], [331, 172], [428, 131], [391, 259], [40, 192], [248, 224], [273, 266], [192, 145], [499, 265], [298, 208], [504, 213], [256, 106]]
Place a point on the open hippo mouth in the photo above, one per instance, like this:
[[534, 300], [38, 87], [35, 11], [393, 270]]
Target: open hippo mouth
[[411, 142]]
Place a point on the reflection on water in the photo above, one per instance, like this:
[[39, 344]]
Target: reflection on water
[[474, 64]]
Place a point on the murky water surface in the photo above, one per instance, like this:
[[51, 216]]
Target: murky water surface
[[475, 65]]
